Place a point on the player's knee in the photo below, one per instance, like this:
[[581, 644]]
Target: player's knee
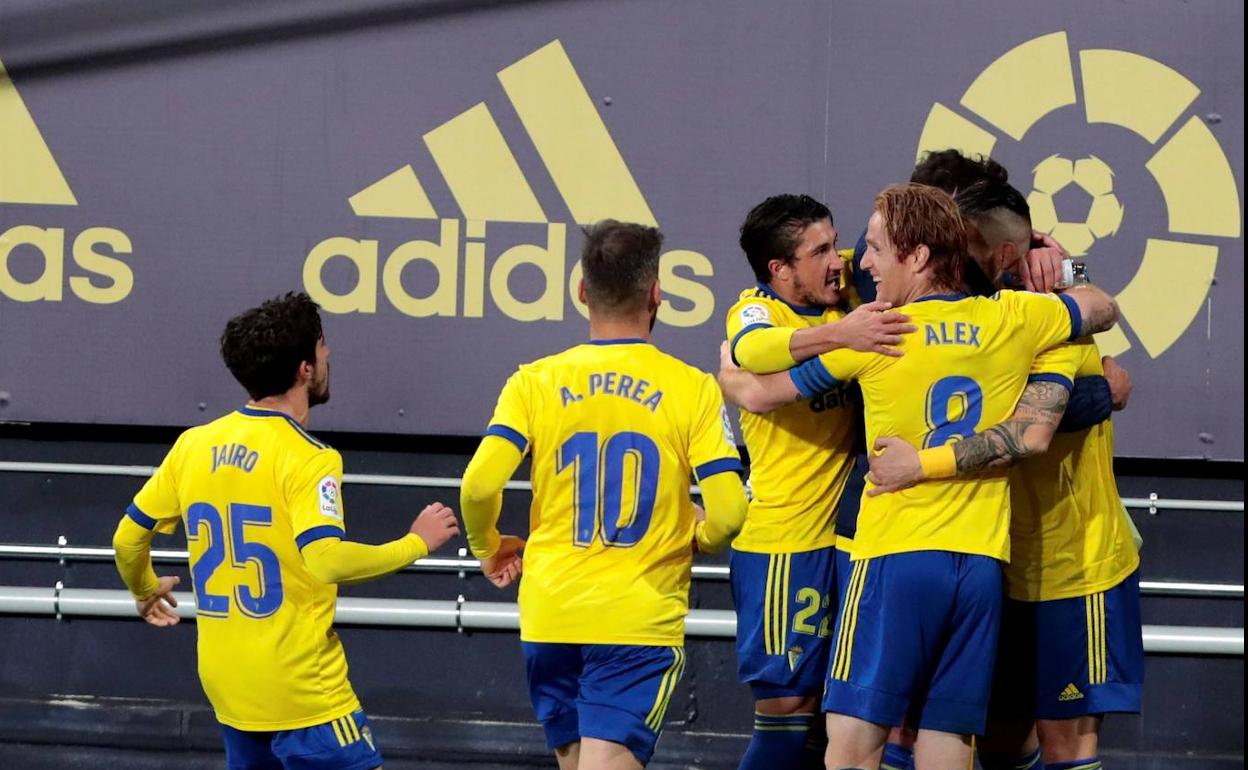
[[1065, 740], [787, 706]]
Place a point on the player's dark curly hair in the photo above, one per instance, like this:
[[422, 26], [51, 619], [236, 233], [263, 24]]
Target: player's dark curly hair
[[264, 346], [952, 171], [621, 263], [774, 227]]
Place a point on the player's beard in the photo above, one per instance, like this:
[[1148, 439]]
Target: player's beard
[[809, 297], [319, 394]]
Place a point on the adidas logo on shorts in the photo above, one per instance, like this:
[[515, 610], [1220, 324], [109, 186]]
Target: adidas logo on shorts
[[1070, 693]]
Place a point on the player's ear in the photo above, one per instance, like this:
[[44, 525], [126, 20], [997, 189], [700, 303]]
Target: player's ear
[[921, 254], [580, 292], [656, 294], [776, 267]]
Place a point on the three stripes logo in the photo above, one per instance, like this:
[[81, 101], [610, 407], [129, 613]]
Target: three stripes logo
[[1070, 693], [30, 176], [488, 186]]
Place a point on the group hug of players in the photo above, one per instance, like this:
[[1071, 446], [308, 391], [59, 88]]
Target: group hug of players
[[973, 574]]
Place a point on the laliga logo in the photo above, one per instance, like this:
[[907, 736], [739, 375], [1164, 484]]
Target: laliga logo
[[1149, 99], [489, 186], [29, 175]]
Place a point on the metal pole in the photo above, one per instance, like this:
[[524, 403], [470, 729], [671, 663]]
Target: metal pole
[[505, 616]]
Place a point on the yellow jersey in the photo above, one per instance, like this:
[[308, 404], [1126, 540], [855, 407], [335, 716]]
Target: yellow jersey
[[616, 429], [800, 454], [252, 488], [961, 372], [1069, 532]]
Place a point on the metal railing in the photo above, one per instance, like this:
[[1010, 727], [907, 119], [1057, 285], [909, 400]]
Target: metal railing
[[462, 615], [63, 552], [1153, 503]]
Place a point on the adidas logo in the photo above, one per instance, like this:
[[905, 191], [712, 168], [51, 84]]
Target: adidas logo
[[488, 186], [29, 175], [1070, 693]]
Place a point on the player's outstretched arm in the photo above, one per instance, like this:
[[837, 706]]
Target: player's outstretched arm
[[1098, 311], [333, 560], [895, 464], [481, 500], [754, 392], [153, 596], [869, 328]]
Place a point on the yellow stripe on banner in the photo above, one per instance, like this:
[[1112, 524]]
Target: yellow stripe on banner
[[480, 169], [771, 568], [680, 671], [338, 733], [853, 620], [571, 138]]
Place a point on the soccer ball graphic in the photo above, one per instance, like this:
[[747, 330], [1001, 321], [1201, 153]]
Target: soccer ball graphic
[[1094, 177]]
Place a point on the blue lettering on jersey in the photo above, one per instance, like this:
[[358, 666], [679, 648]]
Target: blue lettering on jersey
[[235, 455], [957, 333], [616, 384]]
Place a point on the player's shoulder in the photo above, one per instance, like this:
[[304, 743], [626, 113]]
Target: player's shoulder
[[756, 296]]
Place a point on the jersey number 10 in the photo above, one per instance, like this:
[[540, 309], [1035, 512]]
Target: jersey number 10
[[258, 604], [598, 486]]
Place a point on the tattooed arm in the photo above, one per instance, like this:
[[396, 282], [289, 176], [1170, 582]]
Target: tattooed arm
[[895, 464], [1098, 310], [1028, 431]]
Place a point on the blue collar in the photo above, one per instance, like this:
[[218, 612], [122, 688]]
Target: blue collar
[[621, 341], [811, 311], [942, 298]]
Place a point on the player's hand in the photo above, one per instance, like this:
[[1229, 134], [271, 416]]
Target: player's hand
[[699, 516], [1119, 383], [157, 609], [435, 525], [505, 566], [871, 329], [894, 466], [1042, 265]]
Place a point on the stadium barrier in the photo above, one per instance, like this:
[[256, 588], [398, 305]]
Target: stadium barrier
[[462, 615], [1153, 503], [462, 565]]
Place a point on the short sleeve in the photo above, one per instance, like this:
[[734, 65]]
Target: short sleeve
[[712, 445], [314, 498], [512, 414], [1060, 365], [1048, 319], [156, 506], [749, 315]]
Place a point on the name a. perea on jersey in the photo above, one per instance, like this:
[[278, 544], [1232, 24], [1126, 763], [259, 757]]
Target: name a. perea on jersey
[[235, 455], [955, 333], [616, 384]]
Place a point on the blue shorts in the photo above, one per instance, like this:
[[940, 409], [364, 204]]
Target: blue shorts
[[345, 743], [613, 692], [1068, 658], [785, 604], [915, 641]]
